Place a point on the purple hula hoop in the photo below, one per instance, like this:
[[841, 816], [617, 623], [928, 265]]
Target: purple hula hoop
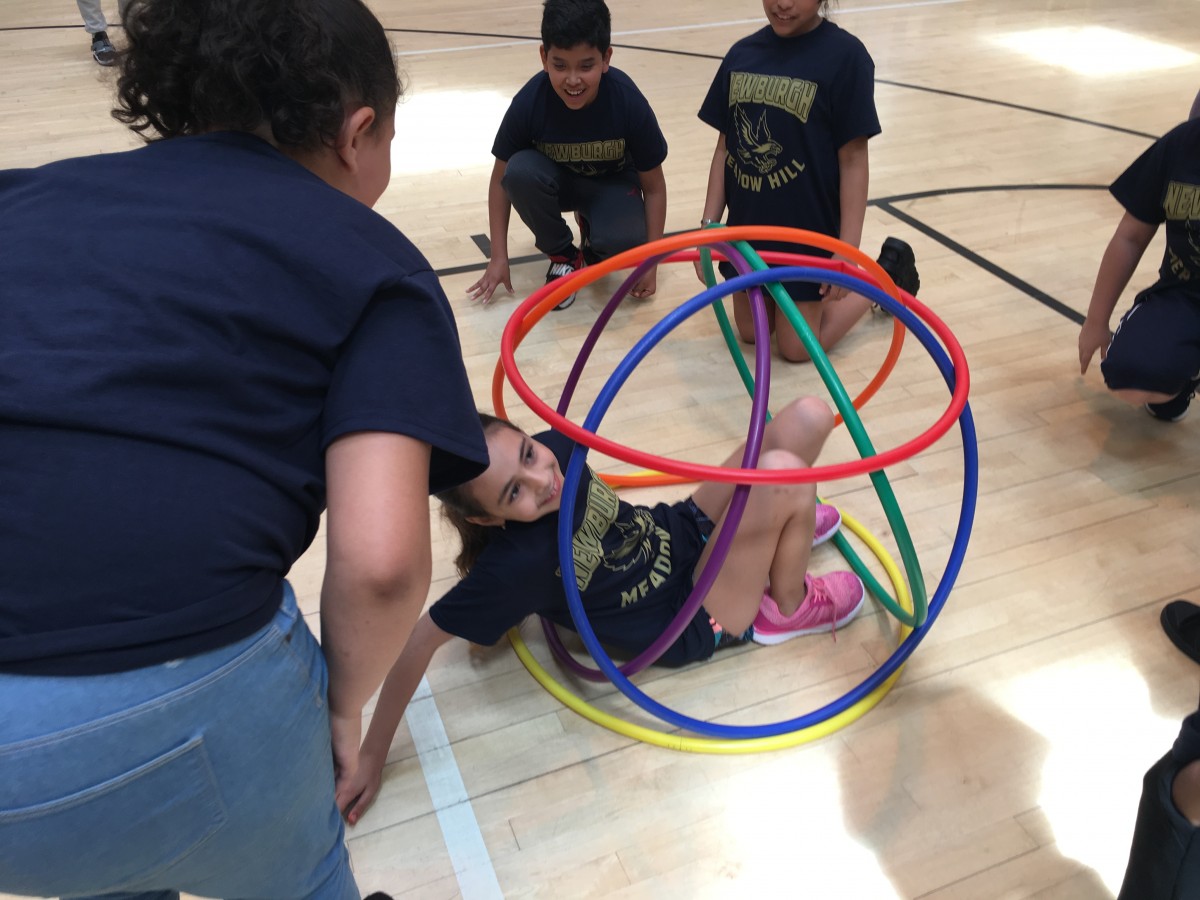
[[737, 503]]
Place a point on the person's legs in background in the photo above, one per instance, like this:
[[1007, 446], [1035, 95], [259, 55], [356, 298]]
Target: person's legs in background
[[536, 185], [97, 27], [611, 215], [1154, 355], [539, 189]]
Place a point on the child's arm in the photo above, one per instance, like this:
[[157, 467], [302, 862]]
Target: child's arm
[[714, 197], [852, 197], [499, 208], [1120, 259], [377, 571], [356, 794], [654, 194]]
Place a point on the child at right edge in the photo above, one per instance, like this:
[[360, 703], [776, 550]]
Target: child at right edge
[[1153, 356], [794, 107]]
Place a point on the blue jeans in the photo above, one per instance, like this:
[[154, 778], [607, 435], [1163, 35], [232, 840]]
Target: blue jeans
[[211, 775]]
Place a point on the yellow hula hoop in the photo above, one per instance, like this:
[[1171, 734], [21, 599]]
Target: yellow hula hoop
[[677, 741]]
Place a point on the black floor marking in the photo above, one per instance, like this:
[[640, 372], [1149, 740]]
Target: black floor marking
[[1017, 106], [984, 189], [987, 265], [884, 203], [484, 243]]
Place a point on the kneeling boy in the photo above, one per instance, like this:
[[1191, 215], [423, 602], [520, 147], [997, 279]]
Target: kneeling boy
[[578, 136]]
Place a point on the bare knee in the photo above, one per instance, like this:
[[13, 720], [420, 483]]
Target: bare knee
[[794, 354], [802, 420], [771, 505], [814, 413], [796, 493]]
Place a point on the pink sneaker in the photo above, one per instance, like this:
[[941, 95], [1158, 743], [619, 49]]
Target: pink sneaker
[[829, 520], [831, 601]]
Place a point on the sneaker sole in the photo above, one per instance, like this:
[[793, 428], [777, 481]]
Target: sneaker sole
[[1152, 414], [778, 637]]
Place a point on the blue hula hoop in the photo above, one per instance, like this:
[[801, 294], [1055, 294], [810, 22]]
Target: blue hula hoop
[[605, 399]]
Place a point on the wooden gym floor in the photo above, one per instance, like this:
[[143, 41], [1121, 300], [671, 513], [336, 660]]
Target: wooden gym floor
[[1006, 762]]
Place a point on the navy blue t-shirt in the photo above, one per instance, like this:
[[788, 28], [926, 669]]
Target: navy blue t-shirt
[[633, 566], [1163, 185], [615, 132], [786, 106], [184, 329]]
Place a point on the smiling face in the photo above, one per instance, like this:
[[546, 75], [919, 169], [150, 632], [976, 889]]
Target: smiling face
[[523, 481], [790, 18], [575, 73]]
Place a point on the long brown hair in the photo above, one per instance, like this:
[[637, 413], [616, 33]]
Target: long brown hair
[[459, 504]]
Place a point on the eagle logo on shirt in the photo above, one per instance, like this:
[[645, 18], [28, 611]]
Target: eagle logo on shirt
[[755, 146], [635, 548]]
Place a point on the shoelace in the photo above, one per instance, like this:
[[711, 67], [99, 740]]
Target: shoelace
[[822, 603]]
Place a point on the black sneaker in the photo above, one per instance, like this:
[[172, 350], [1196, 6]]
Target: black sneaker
[[1176, 408], [898, 260], [103, 51], [1181, 621], [561, 266]]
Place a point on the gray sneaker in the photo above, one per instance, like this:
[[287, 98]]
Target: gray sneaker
[[103, 51]]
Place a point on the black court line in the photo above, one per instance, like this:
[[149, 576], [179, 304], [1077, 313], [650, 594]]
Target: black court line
[[987, 265], [694, 55], [886, 204]]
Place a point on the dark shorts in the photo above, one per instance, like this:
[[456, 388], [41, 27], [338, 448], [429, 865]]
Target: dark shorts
[[721, 637], [704, 524], [799, 291], [1156, 346]]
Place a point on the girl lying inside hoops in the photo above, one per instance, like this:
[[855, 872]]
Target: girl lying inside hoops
[[635, 564]]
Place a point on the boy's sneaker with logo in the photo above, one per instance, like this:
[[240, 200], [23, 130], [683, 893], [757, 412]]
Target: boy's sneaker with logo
[[831, 601], [561, 265], [1176, 408], [103, 51], [829, 520]]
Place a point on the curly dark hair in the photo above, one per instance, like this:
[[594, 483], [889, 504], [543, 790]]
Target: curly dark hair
[[568, 23], [191, 66], [458, 504]]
